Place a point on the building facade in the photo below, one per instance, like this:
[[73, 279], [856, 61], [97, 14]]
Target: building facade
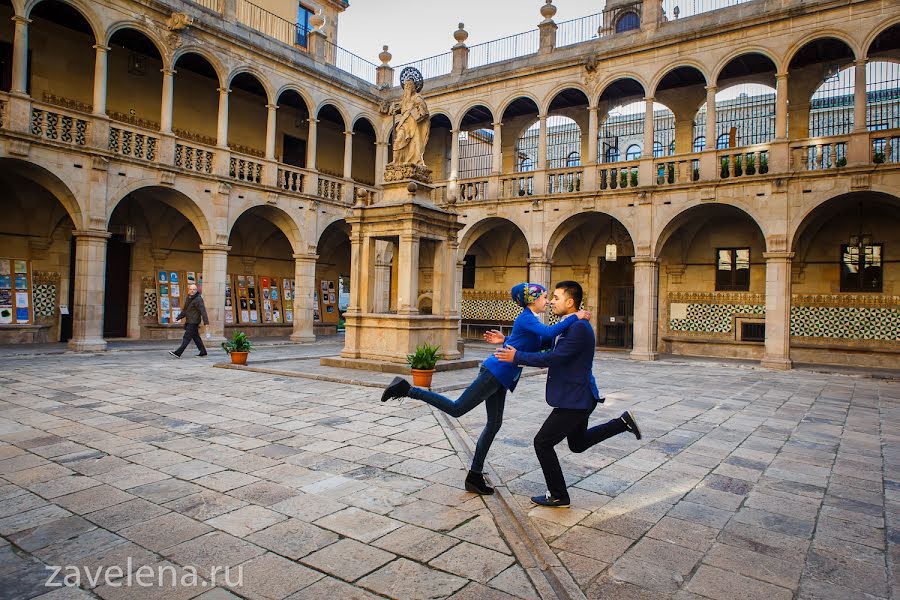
[[147, 145]]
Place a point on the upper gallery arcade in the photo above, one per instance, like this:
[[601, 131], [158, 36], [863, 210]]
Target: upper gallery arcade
[[722, 183]]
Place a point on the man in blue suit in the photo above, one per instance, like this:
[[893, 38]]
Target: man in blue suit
[[571, 391]]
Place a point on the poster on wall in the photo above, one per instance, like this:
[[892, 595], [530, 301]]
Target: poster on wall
[[163, 277], [5, 282], [21, 282], [21, 266], [6, 314], [4, 267], [324, 285], [331, 298]]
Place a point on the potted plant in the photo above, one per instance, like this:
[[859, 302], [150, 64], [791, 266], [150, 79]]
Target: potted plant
[[724, 171], [878, 158], [238, 347], [422, 363], [763, 164], [623, 179], [841, 162], [751, 164], [634, 178]]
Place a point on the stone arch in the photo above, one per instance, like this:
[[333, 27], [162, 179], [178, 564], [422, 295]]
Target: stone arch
[[278, 217], [53, 184], [573, 222], [217, 66], [140, 28], [457, 122], [675, 221], [290, 87], [177, 196], [559, 89], [672, 68], [797, 46], [612, 79], [80, 6], [476, 230], [248, 70], [18, 7], [371, 120], [334, 104], [519, 96], [331, 221], [877, 32], [739, 53], [800, 222]]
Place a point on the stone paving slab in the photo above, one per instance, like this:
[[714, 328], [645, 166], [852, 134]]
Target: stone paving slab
[[747, 484]]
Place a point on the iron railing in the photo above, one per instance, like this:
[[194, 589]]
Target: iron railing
[[579, 30], [680, 9], [514, 46], [351, 63], [433, 66]]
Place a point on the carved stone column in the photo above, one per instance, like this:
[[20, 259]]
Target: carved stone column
[[168, 93], [711, 117], [100, 60], [781, 106], [542, 143], [497, 149], [348, 155], [222, 127], [90, 288], [648, 128], [304, 297], [778, 310], [20, 57], [646, 301], [215, 269], [408, 287], [271, 126]]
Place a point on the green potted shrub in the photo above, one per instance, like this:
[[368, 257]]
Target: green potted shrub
[[738, 168], [238, 347], [724, 172], [878, 158], [671, 173], [696, 174], [763, 164], [634, 179], [422, 363], [841, 162], [623, 179]]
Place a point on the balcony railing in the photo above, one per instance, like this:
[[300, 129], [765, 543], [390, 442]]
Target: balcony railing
[[50, 123], [473, 190], [565, 181], [617, 176], [245, 168], [290, 179], [743, 162], [330, 188], [132, 144], [673, 170], [819, 154], [349, 62], [680, 9], [514, 46], [885, 147], [193, 158], [270, 24], [433, 66], [514, 186]]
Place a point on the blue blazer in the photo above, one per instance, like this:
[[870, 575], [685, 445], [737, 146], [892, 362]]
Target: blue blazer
[[570, 383]]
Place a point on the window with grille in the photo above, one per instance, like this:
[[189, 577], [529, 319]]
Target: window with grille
[[748, 108], [563, 140], [624, 128], [527, 149], [831, 106], [476, 153], [574, 159], [732, 269], [633, 152], [861, 268], [700, 143], [628, 21], [752, 331]]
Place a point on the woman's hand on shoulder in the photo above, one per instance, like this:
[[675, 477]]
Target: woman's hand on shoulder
[[584, 314]]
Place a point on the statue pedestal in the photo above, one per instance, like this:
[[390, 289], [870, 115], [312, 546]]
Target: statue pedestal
[[425, 248]]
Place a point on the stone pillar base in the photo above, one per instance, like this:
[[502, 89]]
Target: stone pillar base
[[776, 364], [302, 338], [647, 356], [87, 345]]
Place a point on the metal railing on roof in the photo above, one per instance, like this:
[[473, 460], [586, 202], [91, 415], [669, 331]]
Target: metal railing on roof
[[679, 9], [514, 46], [433, 66], [351, 63]]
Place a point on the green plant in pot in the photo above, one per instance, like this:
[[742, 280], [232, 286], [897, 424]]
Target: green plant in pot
[[422, 363], [763, 164], [878, 158], [841, 162], [238, 347], [751, 164], [634, 178], [724, 171]]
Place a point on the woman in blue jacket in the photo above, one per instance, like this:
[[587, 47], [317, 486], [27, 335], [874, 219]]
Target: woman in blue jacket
[[494, 377]]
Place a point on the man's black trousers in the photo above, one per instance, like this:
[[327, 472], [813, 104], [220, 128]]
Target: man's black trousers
[[570, 424]]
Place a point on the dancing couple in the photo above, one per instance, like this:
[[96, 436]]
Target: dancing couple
[[571, 389]]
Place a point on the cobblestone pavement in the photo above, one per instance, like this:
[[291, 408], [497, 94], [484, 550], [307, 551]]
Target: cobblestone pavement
[[315, 489], [748, 484]]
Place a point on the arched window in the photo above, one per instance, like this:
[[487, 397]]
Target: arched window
[[525, 164], [628, 21], [722, 142], [700, 143], [658, 150], [574, 159], [612, 155], [633, 152], [748, 108]]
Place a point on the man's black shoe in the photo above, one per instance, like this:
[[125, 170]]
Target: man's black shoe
[[202, 354], [550, 501], [398, 388], [631, 424], [475, 483], [172, 352]]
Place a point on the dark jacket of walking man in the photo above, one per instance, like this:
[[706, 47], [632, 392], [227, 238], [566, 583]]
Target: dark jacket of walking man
[[193, 311], [571, 391]]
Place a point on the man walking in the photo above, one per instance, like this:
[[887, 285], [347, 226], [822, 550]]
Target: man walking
[[571, 391], [194, 310]]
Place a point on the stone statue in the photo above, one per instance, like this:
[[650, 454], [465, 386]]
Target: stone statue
[[413, 128]]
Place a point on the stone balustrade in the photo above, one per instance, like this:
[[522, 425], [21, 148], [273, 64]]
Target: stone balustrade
[[514, 186], [885, 147], [330, 188], [565, 181], [290, 179], [743, 162], [245, 168], [473, 190], [614, 176], [133, 144], [51, 123], [819, 153], [676, 170], [194, 158]]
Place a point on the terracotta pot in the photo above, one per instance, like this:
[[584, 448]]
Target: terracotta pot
[[239, 358], [422, 377]]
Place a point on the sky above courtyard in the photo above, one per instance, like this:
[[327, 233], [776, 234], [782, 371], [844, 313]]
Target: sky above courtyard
[[416, 30]]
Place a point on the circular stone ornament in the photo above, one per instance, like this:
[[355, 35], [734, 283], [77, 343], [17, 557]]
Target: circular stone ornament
[[412, 73]]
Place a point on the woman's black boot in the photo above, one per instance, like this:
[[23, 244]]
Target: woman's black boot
[[475, 483]]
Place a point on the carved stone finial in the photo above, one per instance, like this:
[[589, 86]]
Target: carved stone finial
[[548, 11], [461, 35], [384, 56], [317, 21], [179, 21]]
